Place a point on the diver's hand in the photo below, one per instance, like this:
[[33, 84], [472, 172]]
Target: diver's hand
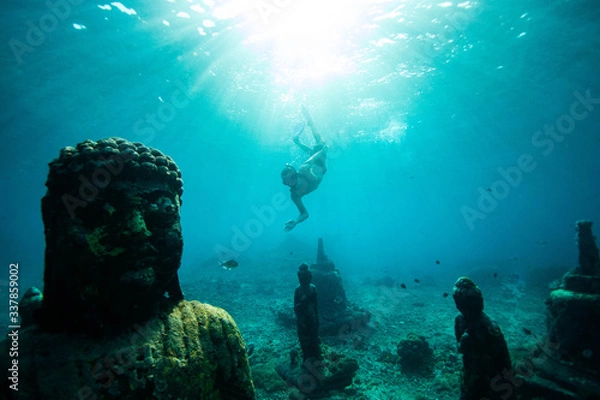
[[291, 224]]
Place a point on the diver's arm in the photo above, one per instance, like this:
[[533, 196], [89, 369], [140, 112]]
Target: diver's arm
[[291, 224]]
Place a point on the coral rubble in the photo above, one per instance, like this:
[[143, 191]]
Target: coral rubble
[[416, 356]]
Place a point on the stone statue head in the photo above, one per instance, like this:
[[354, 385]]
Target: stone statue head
[[467, 297], [113, 234], [304, 275]]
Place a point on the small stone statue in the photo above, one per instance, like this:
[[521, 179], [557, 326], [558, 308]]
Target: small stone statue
[[487, 367], [307, 316], [318, 374]]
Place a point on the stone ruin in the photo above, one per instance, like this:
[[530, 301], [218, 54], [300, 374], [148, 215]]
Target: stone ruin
[[337, 315], [566, 365]]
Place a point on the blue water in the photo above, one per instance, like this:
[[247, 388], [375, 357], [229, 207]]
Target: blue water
[[421, 103]]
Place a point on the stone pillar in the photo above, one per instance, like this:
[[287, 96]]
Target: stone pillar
[[574, 308], [321, 257], [589, 262], [332, 297], [566, 364], [337, 315]]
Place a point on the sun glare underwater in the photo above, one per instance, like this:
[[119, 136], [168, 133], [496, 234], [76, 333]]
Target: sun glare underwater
[[226, 151]]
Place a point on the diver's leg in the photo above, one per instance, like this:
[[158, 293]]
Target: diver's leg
[[318, 159], [318, 138], [309, 121], [304, 147]]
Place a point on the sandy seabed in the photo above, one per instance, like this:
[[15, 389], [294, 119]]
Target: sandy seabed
[[421, 308]]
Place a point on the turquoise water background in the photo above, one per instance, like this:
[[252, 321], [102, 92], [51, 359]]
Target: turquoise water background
[[423, 104]]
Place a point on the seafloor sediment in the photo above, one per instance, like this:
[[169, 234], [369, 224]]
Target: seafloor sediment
[[516, 303]]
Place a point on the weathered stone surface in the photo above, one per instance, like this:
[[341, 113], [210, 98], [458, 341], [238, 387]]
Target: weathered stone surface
[[485, 355], [568, 363], [574, 324], [194, 352], [589, 259], [306, 308], [318, 378], [337, 315], [112, 322]]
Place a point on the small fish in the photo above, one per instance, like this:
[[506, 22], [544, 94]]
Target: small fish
[[526, 331], [417, 281], [229, 264], [489, 189], [437, 262], [403, 286], [495, 274], [445, 294]]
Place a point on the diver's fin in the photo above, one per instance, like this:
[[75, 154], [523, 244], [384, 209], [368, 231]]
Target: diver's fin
[[299, 128]]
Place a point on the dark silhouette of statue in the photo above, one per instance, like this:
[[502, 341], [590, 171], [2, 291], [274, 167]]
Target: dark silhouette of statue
[[112, 322], [307, 315], [574, 307], [487, 366], [566, 364], [318, 374]]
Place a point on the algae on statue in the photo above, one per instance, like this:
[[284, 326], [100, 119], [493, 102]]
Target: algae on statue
[[112, 322]]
